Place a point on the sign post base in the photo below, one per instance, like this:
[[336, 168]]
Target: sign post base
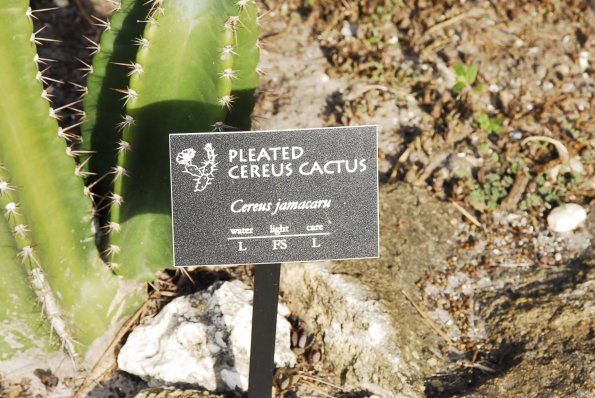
[[264, 327]]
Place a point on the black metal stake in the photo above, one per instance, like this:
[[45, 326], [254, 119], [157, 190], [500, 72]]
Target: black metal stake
[[264, 327]]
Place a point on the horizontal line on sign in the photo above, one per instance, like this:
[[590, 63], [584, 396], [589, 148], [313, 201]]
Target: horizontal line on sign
[[276, 236]]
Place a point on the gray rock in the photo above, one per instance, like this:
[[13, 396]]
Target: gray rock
[[373, 337], [201, 339]]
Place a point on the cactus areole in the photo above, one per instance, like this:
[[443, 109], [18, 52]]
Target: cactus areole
[[274, 196]]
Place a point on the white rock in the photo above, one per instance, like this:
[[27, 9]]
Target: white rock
[[583, 60], [566, 218], [201, 339]]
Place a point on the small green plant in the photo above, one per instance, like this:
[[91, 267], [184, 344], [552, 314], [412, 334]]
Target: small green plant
[[465, 77], [162, 66], [489, 194], [491, 125]]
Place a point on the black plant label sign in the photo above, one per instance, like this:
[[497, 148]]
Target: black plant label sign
[[274, 196]]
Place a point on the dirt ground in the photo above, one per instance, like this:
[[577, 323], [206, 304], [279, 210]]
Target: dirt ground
[[516, 300]]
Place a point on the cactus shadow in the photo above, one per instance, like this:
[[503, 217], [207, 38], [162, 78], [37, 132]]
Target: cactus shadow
[[148, 160]]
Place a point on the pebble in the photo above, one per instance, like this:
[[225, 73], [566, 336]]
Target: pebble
[[583, 60], [515, 135], [566, 218]]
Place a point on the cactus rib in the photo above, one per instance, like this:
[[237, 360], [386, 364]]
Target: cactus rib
[[105, 113], [192, 79]]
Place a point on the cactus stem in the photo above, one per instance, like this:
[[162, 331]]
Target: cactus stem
[[133, 66], [88, 69], [101, 23], [129, 94], [123, 146], [227, 101], [31, 13], [39, 40], [228, 74], [94, 47]]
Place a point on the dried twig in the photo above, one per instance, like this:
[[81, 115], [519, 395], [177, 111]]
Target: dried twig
[[446, 23], [562, 151], [427, 318], [468, 215], [516, 192]]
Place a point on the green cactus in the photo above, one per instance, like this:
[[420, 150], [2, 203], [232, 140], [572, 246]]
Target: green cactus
[[192, 66]]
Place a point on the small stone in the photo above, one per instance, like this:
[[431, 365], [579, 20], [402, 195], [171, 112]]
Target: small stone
[[346, 29], [515, 135], [566, 218]]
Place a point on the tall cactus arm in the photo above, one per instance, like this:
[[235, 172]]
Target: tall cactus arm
[[190, 66], [36, 156], [76, 292], [104, 111]]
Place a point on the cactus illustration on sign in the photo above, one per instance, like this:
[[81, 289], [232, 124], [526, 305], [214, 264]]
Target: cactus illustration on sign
[[205, 173]]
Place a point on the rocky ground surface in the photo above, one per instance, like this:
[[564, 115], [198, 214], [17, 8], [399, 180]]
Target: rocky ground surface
[[473, 294]]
